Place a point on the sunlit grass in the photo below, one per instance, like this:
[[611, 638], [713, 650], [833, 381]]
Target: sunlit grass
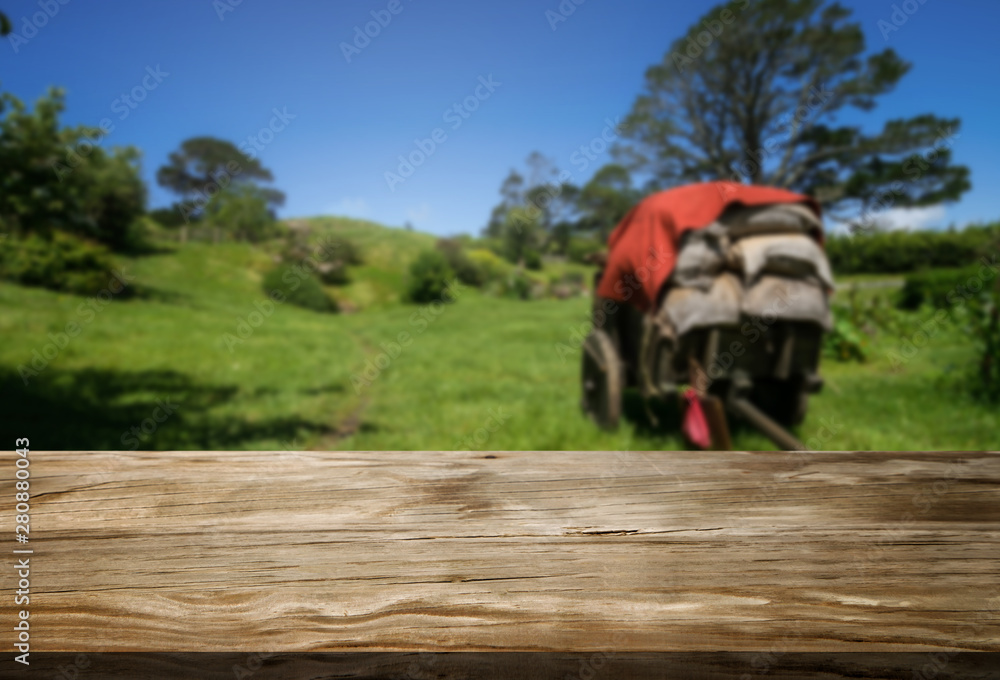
[[484, 372]]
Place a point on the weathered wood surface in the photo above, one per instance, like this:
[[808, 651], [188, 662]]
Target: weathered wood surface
[[645, 552]]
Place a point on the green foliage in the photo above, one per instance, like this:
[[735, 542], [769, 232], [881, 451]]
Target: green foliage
[[763, 100], [522, 236], [58, 261], [430, 276], [984, 328], [203, 166], [971, 298], [242, 212], [859, 321], [170, 217], [942, 288], [518, 286], [605, 200], [580, 249], [343, 250], [329, 258], [289, 384], [493, 266], [466, 269], [901, 251], [297, 285], [58, 179], [845, 341]]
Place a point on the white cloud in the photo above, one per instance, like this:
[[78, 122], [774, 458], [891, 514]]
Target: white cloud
[[349, 207], [912, 218]]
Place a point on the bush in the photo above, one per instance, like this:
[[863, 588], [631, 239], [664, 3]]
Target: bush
[[934, 287], [519, 286], [56, 179], [171, 217], [533, 260], [339, 250], [845, 342], [296, 285], [984, 329], [333, 273], [493, 266], [329, 258], [897, 252], [60, 261], [430, 276], [242, 211], [581, 248], [466, 270]]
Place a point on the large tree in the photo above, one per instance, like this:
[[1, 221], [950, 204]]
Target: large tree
[[540, 196], [605, 199], [758, 91], [204, 166], [59, 179]]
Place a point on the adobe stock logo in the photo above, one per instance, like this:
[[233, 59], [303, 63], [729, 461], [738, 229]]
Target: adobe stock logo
[[455, 117], [39, 20]]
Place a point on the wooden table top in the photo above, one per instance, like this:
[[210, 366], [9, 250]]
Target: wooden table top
[[530, 551]]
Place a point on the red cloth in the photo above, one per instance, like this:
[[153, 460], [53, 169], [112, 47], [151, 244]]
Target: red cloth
[[695, 425], [643, 247]]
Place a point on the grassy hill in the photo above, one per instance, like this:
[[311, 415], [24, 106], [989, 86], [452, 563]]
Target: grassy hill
[[484, 373]]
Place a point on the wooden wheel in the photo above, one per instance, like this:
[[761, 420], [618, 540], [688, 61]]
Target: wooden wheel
[[602, 380]]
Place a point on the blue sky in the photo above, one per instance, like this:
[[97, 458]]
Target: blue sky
[[224, 73]]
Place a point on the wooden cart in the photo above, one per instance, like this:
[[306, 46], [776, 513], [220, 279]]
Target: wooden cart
[[760, 368]]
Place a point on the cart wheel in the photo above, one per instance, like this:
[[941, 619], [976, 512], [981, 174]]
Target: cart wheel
[[602, 380]]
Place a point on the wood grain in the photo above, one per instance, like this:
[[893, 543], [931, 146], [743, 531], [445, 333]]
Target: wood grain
[[531, 551]]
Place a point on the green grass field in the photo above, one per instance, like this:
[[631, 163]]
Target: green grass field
[[481, 373]]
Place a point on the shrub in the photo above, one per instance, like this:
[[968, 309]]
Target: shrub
[[493, 266], [56, 179], [934, 287], [897, 252], [845, 342], [533, 260], [333, 273], [171, 217], [430, 276], [242, 211], [60, 261], [580, 248], [466, 270], [298, 286], [984, 328], [329, 258], [519, 286], [339, 250]]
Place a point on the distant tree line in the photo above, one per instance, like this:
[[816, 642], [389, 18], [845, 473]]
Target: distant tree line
[[751, 93]]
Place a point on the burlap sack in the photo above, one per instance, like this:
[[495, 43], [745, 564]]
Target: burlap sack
[[791, 255], [781, 298], [689, 308], [787, 218], [701, 257]]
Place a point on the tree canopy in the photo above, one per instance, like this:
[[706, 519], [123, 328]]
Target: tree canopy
[[204, 166], [755, 92], [60, 179]]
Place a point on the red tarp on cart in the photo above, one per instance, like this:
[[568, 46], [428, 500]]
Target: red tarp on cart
[[643, 247]]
